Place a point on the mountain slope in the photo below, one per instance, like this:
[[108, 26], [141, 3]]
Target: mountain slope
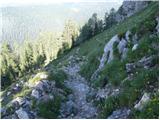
[[124, 87]]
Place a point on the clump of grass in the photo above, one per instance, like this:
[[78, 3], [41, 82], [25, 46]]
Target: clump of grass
[[116, 53], [50, 110], [37, 77], [88, 69], [59, 76], [130, 93], [108, 106], [115, 71], [25, 91], [146, 26], [145, 48], [121, 35]]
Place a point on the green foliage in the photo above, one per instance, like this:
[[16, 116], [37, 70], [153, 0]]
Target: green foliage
[[24, 92], [115, 71], [108, 106], [90, 29], [38, 78], [49, 110], [140, 82], [59, 76], [131, 91], [9, 68], [70, 33], [121, 35], [145, 48], [65, 47], [147, 26], [116, 53], [88, 69], [110, 19]]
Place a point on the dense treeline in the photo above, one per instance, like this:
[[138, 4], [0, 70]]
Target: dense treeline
[[17, 60], [95, 26]]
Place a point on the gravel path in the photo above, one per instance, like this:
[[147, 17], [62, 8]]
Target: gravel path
[[77, 105]]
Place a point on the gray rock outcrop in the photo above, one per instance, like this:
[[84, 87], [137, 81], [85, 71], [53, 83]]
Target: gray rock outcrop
[[129, 8], [144, 100]]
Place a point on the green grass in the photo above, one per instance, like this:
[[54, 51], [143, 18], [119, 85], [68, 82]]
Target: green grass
[[23, 93], [145, 48], [116, 53], [130, 92], [108, 106], [50, 110], [115, 72], [59, 76], [37, 77], [93, 48]]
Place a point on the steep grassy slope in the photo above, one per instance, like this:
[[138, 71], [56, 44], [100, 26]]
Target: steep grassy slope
[[93, 48], [142, 23]]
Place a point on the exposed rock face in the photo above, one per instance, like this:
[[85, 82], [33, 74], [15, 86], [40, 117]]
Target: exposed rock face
[[145, 99], [108, 51], [120, 114], [104, 93], [128, 8], [124, 53], [22, 114], [107, 55], [135, 39], [145, 62], [122, 44]]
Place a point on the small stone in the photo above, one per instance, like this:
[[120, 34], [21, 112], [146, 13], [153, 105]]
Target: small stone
[[22, 114], [130, 67], [39, 85], [19, 100], [3, 111], [1, 99], [8, 93], [43, 76], [135, 39], [35, 93], [51, 96], [134, 47], [128, 33], [120, 114]]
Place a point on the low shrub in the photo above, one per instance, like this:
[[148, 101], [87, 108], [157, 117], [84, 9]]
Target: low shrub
[[49, 110], [115, 71]]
